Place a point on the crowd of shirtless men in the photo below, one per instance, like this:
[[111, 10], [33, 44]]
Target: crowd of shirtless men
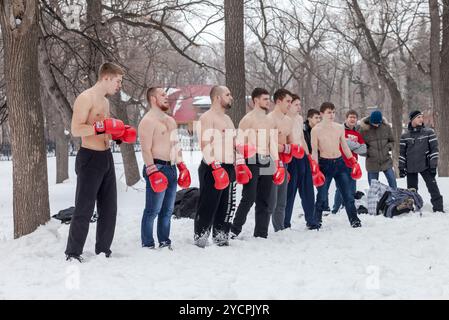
[[267, 154]]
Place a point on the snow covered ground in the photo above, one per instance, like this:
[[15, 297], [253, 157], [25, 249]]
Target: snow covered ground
[[406, 257]]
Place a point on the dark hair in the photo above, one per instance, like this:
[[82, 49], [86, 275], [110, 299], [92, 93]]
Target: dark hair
[[327, 105], [352, 113], [257, 92], [295, 97], [280, 94], [151, 92], [312, 112]]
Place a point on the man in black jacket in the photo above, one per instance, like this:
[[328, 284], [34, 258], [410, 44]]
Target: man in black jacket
[[419, 154], [313, 117]]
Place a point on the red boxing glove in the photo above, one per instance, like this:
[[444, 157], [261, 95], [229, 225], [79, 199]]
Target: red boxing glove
[[356, 172], [247, 150], [314, 167], [184, 179], [294, 150], [128, 136], [158, 180], [242, 172], [220, 176], [318, 179], [285, 157], [110, 126], [279, 175]]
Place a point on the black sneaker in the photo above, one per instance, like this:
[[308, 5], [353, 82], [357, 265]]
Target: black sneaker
[[334, 211], [313, 226], [359, 195], [356, 224], [362, 210], [233, 235], [150, 247], [441, 211], [165, 245], [72, 257]]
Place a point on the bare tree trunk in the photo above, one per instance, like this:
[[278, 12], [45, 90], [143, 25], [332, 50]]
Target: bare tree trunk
[[235, 57], [443, 115], [130, 165], [19, 21], [60, 120], [62, 153]]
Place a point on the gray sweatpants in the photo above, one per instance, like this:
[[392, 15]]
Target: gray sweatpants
[[280, 201]]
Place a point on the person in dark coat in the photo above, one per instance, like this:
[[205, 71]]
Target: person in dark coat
[[419, 154], [378, 136]]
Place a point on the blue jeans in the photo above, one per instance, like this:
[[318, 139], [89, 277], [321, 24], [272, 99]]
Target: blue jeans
[[389, 174], [301, 181], [335, 169], [159, 205], [338, 199]]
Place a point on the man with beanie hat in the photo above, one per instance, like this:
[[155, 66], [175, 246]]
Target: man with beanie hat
[[379, 139], [419, 154]]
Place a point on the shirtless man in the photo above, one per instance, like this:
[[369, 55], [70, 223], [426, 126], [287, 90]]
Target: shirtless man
[[299, 170], [216, 173], [327, 136], [94, 163], [254, 134], [288, 148], [160, 152]]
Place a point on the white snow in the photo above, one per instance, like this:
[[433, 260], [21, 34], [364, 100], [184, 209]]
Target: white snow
[[406, 257]]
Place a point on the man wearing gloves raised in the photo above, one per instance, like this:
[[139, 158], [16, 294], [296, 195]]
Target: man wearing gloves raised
[[94, 165], [419, 154], [161, 155], [216, 173], [327, 136]]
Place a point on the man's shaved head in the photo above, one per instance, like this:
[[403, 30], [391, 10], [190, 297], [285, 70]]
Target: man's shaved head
[[221, 95], [216, 91]]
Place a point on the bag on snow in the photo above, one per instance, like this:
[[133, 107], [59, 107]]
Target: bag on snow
[[66, 215], [186, 203]]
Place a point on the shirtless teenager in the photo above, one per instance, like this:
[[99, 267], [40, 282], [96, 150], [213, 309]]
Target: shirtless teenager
[[254, 134], [299, 170], [160, 152], [327, 136], [288, 148], [94, 163], [216, 173]]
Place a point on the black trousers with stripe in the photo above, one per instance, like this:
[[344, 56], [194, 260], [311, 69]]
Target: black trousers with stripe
[[215, 207]]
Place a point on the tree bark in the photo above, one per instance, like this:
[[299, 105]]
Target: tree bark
[[62, 154], [19, 22], [443, 114], [235, 57], [61, 119], [132, 174]]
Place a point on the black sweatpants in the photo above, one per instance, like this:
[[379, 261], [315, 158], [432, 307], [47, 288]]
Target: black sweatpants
[[95, 183], [431, 183], [261, 190], [215, 207]]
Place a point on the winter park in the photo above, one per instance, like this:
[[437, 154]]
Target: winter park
[[224, 150]]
